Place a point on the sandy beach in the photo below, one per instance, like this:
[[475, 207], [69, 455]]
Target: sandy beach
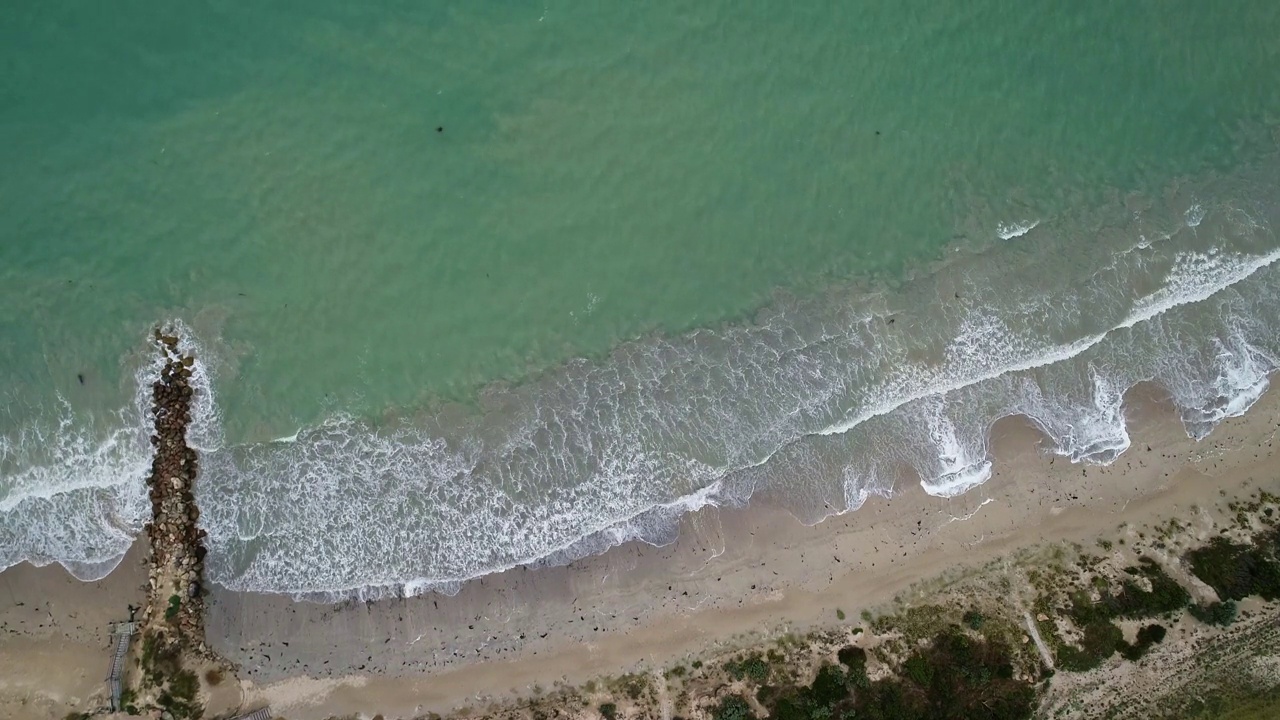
[[734, 575], [54, 635], [868, 361]]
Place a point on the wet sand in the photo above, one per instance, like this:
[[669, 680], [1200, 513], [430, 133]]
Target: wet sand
[[732, 575]]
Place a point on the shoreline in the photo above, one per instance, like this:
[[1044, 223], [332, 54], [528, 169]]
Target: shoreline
[[750, 573], [732, 577], [273, 576]]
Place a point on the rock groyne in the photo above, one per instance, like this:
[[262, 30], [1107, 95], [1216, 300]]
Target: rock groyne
[[175, 590]]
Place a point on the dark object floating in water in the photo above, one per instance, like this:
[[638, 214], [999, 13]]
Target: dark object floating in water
[[440, 128], [80, 377]]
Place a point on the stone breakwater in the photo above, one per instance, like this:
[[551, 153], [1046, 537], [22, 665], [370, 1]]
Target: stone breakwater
[[175, 592]]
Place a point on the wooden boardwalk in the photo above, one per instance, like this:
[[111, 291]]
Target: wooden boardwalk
[[123, 633], [262, 713]]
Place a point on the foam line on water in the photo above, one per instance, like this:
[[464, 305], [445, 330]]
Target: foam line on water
[[605, 453], [1150, 307], [77, 495], [481, 508], [1009, 231]]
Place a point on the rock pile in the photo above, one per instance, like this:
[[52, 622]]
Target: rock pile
[[177, 550]]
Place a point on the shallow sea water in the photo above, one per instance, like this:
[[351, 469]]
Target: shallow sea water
[[485, 283]]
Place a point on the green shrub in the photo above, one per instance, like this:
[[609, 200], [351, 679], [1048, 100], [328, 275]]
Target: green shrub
[[855, 659], [888, 700], [184, 685], [973, 620], [609, 711], [1101, 639], [1147, 636], [1269, 540], [633, 685], [1236, 571], [175, 604], [1221, 614], [1151, 635], [955, 677], [839, 614], [1165, 595], [753, 668], [159, 660], [830, 686], [919, 670], [1132, 602], [733, 707]]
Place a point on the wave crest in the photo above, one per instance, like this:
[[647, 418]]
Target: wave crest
[[819, 406]]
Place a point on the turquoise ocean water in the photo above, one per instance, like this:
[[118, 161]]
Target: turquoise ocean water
[[489, 283]]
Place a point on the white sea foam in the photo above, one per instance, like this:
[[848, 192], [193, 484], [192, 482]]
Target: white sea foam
[[204, 432], [79, 505], [958, 469], [619, 451], [819, 411], [1097, 432], [958, 479], [1241, 380], [1009, 231], [77, 493], [858, 492]]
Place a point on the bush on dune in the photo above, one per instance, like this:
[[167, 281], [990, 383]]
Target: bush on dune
[[954, 677], [1237, 571], [1221, 614], [733, 707]]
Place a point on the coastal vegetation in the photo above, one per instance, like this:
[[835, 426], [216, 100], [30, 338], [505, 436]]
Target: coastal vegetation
[[1146, 591], [955, 675], [1215, 613], [998, 642], [1236, 571], [174, 688], [971, 650]]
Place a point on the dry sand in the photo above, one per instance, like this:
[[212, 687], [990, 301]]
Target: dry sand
[[733, 575], [54, 635]]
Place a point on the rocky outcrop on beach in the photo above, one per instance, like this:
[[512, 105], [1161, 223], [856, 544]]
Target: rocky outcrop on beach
[[175, 590]]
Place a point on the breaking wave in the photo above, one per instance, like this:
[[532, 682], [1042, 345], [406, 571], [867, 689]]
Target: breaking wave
[[818, 405], [72, 490]]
